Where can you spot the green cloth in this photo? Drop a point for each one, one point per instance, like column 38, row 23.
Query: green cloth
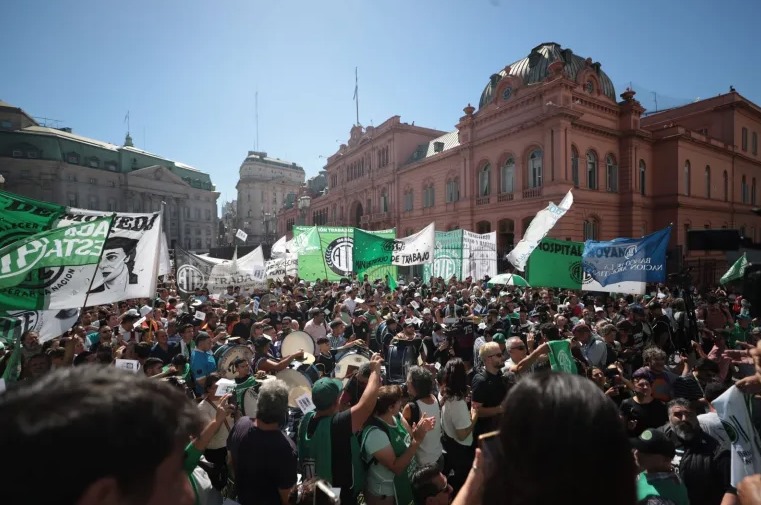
column 561, row 359
column 665, row 485
column 241, row 388
column 316, row 452
column 737, row 334
column 736, row 271
column 400, row 440
column 192, row 457
column 556, row 263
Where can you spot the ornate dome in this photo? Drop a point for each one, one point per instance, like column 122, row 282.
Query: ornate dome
column 535, row 68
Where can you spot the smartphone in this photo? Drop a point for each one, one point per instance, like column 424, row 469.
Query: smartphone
column 323, row 494
column 490, row 447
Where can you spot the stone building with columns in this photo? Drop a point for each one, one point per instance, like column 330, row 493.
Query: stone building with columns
column 265, row 185
column 59, row 166
column 547, row 123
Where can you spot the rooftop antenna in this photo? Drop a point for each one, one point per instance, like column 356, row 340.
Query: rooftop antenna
column 356, row 92
column 256, row 107
column 655, row 98
column 126, row 120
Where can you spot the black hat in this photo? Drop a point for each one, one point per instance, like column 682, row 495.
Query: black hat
column 262, row 341
column 653, row 441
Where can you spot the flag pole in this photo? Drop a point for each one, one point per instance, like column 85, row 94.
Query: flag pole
column 102, row 250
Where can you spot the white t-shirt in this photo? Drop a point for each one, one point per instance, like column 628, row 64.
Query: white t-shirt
column 208, row 413
column 456, row 416
column 430, row 449
column 351, row 305
column 733, row 408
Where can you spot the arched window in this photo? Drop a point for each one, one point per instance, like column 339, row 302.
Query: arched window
column 744, row 190
column 591, row 229
column 575, row 167
column 753, row 191
column 708, row 181
column 687, row 178
column 483, row 180
column 642, row 179
column 591, row 170
column 507, row 176
column 725, row 178
column 453, row 190
column 535, row 169
column 611, row 173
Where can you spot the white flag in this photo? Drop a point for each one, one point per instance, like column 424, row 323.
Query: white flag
column 542, row 223
column 233, row 273
column 241, row 235
column 165, row 263
column 279, row 248
column 415, row 249
column 734, row 410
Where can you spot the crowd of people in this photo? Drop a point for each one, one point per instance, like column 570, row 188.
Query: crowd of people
column 455, row 398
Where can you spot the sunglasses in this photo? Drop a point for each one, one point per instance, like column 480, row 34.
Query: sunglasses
column 521, row 347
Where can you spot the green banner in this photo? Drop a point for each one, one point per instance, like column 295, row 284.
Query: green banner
column 561, row 359
column 335, row 257
column 21, row 217
column 556, row 263
column 71, row 247
column 371, row 251
column 447, row 256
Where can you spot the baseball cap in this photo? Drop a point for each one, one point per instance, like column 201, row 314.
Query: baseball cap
column 499, row 338
column 654, row 442
column 261, row 341
column 325, row 392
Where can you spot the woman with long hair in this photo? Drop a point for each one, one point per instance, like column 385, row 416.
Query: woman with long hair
column 457, row 422
column 560, row 441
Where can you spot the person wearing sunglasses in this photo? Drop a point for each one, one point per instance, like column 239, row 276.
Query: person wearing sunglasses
column 488, row 389
column 430, row 486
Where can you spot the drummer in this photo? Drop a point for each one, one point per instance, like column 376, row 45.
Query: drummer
column 263, row 361
column 326, row 361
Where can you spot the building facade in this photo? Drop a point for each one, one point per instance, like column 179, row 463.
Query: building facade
column 545, row 124
column 56, row 165
column 265, row 185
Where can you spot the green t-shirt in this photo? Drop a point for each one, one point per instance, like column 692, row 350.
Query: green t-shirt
column 664, row 484
column 192, row 457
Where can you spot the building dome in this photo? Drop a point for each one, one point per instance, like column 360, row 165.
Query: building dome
column 535, row 68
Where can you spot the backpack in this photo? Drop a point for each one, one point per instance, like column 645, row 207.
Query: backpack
column 415, row 410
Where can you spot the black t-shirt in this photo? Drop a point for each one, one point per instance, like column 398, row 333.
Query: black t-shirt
column 647, row 415
column 489, row 390
column 258, row 478
column 362, row 331
column 328, row 363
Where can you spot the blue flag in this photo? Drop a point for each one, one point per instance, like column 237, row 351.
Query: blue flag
column 628, row 259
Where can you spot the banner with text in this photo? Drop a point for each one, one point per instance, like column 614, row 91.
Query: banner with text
column 447, row 256
column 48, row 323
column 245, row 274
column 479, row 253
column 327, row 252
column 558, row 264
column 73, row 251
column 542, row 223
column 628, row 259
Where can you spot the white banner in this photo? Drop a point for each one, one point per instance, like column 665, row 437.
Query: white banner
column 479, row 254
column 415, row 249
column 241, row 235
column 234, row 273
column 48, row 323
column 278, row 268
column 130, row 262
column 165, row 263
column 542, row 223
column 279, row 248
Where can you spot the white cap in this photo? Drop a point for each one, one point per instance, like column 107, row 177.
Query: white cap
column 145, row 310
column 426, row 310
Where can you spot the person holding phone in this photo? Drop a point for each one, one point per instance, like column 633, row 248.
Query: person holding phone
column 389, row 445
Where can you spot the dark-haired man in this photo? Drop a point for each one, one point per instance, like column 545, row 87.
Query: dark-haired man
column 55, row 413
column 430, row 486
column 202, row 361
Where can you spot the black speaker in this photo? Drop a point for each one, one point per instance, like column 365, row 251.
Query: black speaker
column 713, row 240
column 752, row 288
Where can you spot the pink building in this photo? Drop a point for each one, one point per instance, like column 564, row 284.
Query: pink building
column 544, row 124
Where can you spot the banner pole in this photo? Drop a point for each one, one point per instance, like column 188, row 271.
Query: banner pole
column 102, row 250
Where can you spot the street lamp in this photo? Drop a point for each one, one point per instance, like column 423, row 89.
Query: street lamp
column 304, row 203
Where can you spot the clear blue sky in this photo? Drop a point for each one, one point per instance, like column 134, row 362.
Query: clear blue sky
column 188, row 70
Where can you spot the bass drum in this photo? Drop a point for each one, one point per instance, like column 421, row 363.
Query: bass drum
column 225, row 361
column 249, row 399
column 298, row 385
column 295, row 341
column 401, row 356
column 351, row 361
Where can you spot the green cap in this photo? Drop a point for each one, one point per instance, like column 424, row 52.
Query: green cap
column 325, row 392
column 499, row 338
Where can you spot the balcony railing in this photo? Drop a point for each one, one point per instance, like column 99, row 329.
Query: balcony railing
column 505, row 197
column 532, row 192
column 380, row 216
column 365, row 219
column 482, row 200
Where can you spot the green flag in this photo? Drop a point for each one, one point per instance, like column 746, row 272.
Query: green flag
column 307, row 240
column 556, row 263
column 561, row 359
column 392, row 282
column 26, row 260
column 21, row 217
column 736, row 271
column 370, row 251
column 447, row 256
